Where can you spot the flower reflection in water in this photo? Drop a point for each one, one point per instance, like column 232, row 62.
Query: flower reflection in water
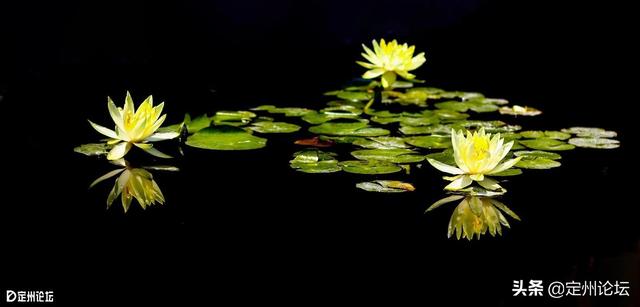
column 475, row 216
column 135, row 183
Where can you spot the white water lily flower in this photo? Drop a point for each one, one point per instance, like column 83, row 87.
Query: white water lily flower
column 476, row 155
column 390, row 59
column 135, row 127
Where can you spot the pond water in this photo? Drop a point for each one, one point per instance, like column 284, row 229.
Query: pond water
column 248, row 222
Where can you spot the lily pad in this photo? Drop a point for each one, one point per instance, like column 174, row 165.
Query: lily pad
column 381, row 142
column 233, row 116
column 508, row 172
column 547, row 144
column 590, row 132
column 321, row 167
column 537, row 163
column 314, row 142
column 289, row 112
column 429, row 142
column 93, row 149
column 274, row 127
column 520, row 110
column 319, row 118
column 386, row 186
column 371, row 167
column 225, row 138
column 445, row 157
column 354, row 96
column 196, row 124
column 538, row 154
column 348, row 129
column 398, row 155
column 535, row 134
column 599, row 143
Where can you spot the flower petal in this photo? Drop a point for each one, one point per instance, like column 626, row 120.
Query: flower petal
column 504, row 166
column 489, row 184
column 445, row 167
column 460, row 183
column 477, row 177
column 104, row 131
column 443, row 201
column 161, row 136
column 105, row 177
column 119, row 151
column 373, row 73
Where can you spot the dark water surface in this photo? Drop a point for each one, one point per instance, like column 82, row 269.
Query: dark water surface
column 242, row 227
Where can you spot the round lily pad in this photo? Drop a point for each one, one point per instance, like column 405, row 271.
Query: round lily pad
column 445, row 157
column 537, row 154
column 354, row 96
column 592, row 132
column 381, row 142
column 386, row 186
column 348, row 129
column 274, row 127
column 371, row 167
column 320, row 167
column 429, row 142
column 599, row 143
column 398, row 155
column 546, row 144
column 537, row 163
column 225, row 138
column 93, row 149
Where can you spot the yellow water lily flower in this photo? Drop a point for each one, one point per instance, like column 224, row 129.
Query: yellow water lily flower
column 389, row 60
column 520, row 110
column 474, row 216
column 476, row 155
column 133, row 183
column 135, row 127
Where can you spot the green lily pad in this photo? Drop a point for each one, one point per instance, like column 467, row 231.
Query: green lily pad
column 547, row 144
column 196, row 124
column 385, row 186
column 371, row 167
column 319, row 118
column 429, row 142
column 538, row 154
column 537, row 163
column 533, row 134
column 508, row 172
column 312, row 155
column 274, row 127
column 381, row 142
column 348, row 129
column 418, row 121
column 93, row 149
column 448, row 115
column 398, row 155
column 445, row 157
column 240, row 117
column 289, row 112
column 225, row 138
column 590, row 132
column 340, row 139
column 599, row 143
column 354, row 96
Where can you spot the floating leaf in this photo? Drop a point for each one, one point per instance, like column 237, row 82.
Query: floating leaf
column 289, row 112
column 429, row 142
column 225, row 138
column 239, row 117
column 315, row 142
column 508, row 172
column 197, row 124
column 340, row 139
column 386, row 186
column 445, row 157
column 274, row 127
column 381, row 142
column 537, row 163
column 371, row 167
column 93, row 149
column 590, row 132
column 538, row 154
column 321, row 167
column 350, row 129
column 319, row 118
column 397, row 155
column 354, row 96
column 600, row 143
column 547, row 144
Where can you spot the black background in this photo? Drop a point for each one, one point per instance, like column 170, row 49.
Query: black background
column 244, row 227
